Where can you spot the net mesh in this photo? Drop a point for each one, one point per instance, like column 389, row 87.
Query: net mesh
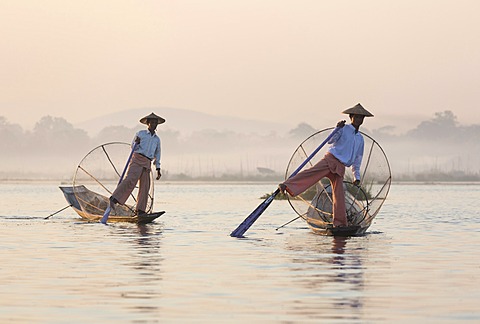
column 362, row 203
column 97, row 176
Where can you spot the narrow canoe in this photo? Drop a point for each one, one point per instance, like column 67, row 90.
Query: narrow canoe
column 94, row 205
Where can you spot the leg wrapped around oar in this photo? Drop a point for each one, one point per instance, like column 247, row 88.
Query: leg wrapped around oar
column 245, row 225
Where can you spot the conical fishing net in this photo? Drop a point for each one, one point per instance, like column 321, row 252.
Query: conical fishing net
column 97, row 176
column 362, row 203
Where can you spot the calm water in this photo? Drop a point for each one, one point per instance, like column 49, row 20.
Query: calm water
column 419, row 261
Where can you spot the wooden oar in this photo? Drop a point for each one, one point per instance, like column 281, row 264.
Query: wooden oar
column 109, row 209
column 57, row 211
column 245, row 225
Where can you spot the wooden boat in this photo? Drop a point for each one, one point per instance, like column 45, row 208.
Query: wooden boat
column 90, row 206
column 322, row 228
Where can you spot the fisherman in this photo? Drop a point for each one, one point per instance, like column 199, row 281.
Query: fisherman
column 346, row 150
column 147, row 150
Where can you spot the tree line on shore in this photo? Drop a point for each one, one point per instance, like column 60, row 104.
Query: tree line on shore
column 436, row 149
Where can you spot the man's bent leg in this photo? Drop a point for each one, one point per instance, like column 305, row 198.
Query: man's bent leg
column 307, row 178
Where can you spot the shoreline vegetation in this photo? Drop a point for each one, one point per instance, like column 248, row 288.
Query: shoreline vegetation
column 425, row 177
column 436, row 150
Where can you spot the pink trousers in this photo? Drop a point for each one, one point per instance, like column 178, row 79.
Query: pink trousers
column 328, row 167
column 138, row 171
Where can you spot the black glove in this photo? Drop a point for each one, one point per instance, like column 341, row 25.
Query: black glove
column 356, row 183
column 341, row 123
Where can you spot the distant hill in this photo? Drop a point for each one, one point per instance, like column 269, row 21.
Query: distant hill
column 183, row 120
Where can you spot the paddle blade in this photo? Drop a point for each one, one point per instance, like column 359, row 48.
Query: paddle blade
column 105, row 215
column 245, row 225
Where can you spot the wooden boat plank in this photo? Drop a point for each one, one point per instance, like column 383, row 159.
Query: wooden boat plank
column 142, row 219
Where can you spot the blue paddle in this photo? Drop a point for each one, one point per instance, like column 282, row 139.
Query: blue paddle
column 109, row 209
column 245, row 225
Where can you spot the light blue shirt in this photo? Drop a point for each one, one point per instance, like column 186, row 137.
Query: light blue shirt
column 347, row 147
column 149, row 146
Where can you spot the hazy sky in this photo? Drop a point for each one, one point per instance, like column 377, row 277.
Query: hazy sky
column 279, row 60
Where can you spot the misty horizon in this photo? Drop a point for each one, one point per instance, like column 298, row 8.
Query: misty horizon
column 54, row 147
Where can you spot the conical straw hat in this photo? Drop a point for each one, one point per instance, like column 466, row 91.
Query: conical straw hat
column 357, row 110
column 152, row 116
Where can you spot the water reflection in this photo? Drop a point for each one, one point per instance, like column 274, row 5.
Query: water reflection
column 332, row 272
column 143, row 261
column 347, row 270
column 148, row 247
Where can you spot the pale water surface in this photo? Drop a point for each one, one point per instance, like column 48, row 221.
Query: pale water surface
column 419, row 262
